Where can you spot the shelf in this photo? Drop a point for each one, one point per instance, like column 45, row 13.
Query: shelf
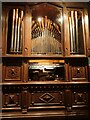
column 46, row 83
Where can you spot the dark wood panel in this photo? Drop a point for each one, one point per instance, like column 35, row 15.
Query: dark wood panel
column 80, row 98
column 27, row 30
column 78, row 71
column 11, row 100
column 12, row 70
column 46, row 99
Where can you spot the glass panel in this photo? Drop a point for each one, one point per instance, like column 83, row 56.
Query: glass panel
column 15, row 31
column 46, row 30
column 76, row 32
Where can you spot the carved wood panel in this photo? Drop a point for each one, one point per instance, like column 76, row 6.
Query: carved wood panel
column 80, row 98
column 12, row 73
column 11, row 100
column 28, row 97
column 78, row 72
column 46, row 98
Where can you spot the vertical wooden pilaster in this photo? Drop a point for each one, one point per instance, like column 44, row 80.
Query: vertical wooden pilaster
column 24, row 100
column 27, row 31
column 25, row 71
column 4, row 30
column 66, row 33
column 88, row 26
column 68, row 99
column 87, row 40
column 89, row 69
column 67, row 71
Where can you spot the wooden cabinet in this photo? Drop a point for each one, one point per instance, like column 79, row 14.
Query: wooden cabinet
column 45, row 60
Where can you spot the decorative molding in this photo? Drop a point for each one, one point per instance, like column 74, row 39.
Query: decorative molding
column 46, row 97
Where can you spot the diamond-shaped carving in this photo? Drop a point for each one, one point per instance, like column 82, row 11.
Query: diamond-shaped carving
column 46, row 97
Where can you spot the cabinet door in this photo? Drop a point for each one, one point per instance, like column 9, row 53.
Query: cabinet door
column 46, row 30
column 77, row 36
column 13, row 29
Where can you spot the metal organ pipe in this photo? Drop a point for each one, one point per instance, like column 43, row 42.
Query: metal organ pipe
column 17, row 31
column 12, row 36
column 48, row 36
